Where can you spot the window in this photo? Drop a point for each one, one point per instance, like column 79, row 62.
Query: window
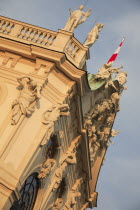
column 28, row 194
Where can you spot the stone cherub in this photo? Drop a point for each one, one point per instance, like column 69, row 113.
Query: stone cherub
column 76, row 18
column 106, row 71
column 93, row 35
column 26, row 101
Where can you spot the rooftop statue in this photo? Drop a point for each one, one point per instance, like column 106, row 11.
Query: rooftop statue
column 106, row 70
column 76, row 18
column 93, row 35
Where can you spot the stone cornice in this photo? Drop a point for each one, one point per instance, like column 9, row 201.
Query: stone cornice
column 61, row 41
column 33, row 52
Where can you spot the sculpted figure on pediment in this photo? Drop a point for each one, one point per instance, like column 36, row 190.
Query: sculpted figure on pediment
column 76, row 18
column 26, row 101
column 93, row 35
column 46, row 168
column 106, row 71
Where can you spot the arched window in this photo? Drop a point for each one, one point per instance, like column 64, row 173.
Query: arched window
column 28, row 194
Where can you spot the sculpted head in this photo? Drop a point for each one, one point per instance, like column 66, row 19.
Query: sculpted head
column 81, row 7
column 99, row 26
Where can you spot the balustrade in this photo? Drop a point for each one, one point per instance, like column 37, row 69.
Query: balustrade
column 36, row 36
column 6, row 26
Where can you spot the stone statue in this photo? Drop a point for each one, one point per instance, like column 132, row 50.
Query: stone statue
column 106, row 71
column 121, row 78
column 46, row 168
column 26, row 101
column 76, row 18
column 93, row 35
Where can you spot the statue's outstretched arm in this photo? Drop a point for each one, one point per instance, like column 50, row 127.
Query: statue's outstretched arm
column 115, row 69
column 85, row 17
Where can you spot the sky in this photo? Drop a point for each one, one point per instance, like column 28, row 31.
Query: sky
column 119, row 180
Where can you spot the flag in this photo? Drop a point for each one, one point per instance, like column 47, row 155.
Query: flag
column 114, row 56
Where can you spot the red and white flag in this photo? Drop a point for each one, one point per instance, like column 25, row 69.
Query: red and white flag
column 114, row 56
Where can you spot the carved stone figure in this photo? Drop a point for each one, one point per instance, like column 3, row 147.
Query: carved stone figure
column 26, row 101
column 46, row 168
column 76, row 18
column 121, row 78
column 52, row 115
column 93, row 35
column 59, row 175
column 106, row 70
column 54, row 112
column 68, row 159
column 101, row 108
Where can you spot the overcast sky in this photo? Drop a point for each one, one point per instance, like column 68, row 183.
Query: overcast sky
column 119, row 180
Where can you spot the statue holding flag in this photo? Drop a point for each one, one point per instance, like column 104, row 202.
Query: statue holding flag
column 76, row 18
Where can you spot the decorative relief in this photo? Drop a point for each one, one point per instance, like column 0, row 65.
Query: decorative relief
column 46, row 168
column 93, row 35
column 76, row 18
column 99, row 123
column 73, row 195
column 26, row 101
column 52, row 115
column 68, row 159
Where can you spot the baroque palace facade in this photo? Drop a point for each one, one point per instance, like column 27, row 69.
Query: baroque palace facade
column 55, row 119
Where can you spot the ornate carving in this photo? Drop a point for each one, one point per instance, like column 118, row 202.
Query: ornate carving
column 46, row 168
column 73, row 195
column 57, row 204
column 68, row 159
column 76, row 18
column 54, row 112
column 59, row 175
column 26, row 101
column 106, row 71
column 52, row 115
column 93, row 35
